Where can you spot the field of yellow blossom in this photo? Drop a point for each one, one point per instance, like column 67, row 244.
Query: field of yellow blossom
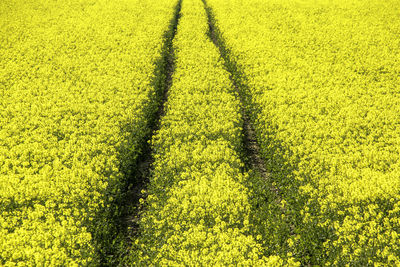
column 200, row 133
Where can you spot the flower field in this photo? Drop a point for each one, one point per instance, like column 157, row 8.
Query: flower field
column 76, row 97
column 273, row 129
column 322, row 83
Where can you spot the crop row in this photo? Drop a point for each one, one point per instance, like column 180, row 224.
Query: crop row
column 198, row 207
column 321, row 81
column 77, row 93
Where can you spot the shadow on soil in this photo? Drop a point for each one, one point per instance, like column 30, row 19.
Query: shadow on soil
column 113, row 241
column 276, row 199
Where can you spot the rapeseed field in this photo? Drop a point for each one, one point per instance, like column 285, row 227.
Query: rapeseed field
column 200, row 133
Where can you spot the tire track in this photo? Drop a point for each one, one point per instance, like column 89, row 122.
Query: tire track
column 166, row 67
column 252, row 150
column 268, row 199
column 129, row 202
